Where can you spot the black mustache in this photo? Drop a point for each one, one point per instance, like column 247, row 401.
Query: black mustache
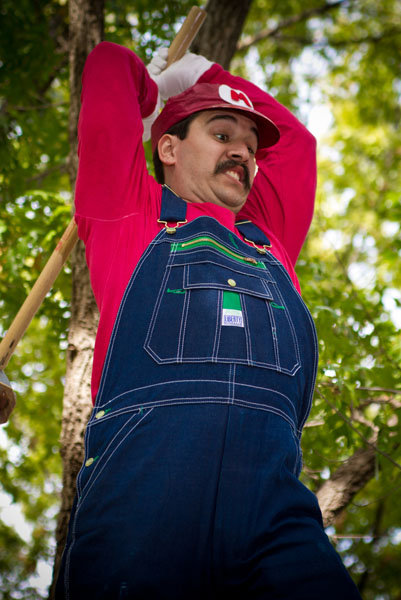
column 227, row 164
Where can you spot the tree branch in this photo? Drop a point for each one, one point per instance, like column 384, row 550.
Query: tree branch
column 396, row 404
column 375, row 536
column 45, row 86
column 61, row 168
column 368, row 39
column 38, row 106
column 379, row 389
column 385, row 399
column 369, row 443
column 337, row 492
column 249, row 41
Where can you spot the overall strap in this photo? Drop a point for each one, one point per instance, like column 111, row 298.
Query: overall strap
column 173, row 210
column 254, row 235
column 173, row 214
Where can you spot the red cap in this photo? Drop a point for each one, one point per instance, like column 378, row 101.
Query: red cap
column 209, row 96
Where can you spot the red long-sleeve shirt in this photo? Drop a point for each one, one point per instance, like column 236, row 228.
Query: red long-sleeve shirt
column 118, row 202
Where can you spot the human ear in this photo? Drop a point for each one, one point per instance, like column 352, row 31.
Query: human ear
column 167, row 149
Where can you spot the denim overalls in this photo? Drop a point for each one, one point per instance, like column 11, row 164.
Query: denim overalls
column 189, row 487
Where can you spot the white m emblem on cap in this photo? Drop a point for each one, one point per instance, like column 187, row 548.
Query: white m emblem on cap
column 235, row 97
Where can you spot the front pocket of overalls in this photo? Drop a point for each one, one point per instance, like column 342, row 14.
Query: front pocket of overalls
column 104, row 439
column 189, row 321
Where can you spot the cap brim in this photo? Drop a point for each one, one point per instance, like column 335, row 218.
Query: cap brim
column 201, row 97
column 268, row 132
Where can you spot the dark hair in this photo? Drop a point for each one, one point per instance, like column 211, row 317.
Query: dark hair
column 180, row 129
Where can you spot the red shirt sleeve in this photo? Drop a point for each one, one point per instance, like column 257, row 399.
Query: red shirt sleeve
column 283, row 193
column 117, row 93
column 114, row 191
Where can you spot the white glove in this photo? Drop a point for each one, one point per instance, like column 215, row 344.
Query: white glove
column 148, row 121
column 154, row 68
column 180, row 75
column 172, row 81
column 158, row 63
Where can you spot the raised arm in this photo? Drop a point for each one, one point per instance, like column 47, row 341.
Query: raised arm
column 283, row 193
column 117, row 93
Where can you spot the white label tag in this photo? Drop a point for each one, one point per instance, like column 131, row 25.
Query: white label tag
column 232, row 317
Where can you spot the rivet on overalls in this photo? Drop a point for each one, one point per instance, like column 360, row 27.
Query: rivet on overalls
column 102, row 413
column 90, row 461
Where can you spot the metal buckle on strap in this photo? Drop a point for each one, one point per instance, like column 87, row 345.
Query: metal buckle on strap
column 174, row 228
column 261, row 250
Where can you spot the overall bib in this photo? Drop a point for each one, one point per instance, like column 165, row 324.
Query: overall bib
column 189, row 487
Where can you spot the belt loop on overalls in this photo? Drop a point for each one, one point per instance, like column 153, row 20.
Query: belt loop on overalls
column 173, row 210
column 254, row 236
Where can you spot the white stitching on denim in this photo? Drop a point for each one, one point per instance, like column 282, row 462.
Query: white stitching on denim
column 173, row 381
column 157, row 304
column 230, row 384
column 97, row 469
column 287, row 313
column 184, row 320
column 217, row 331
column 162, row 383
column 228, row 288
column 247, row 249
column 274, row 336
column 291, row 324
column 301, row 423
column 228, row 398
column 224, row 360
column 247, row 332
column 244, row 270
column 290, row 408
column 237, row 267
column 296, row 441
column 315, row 366
column 233, row 385
column 265, row 408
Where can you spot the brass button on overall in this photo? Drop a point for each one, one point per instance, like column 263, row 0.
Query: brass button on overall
column 100, row 414
column 231, row 282
column 89, row 462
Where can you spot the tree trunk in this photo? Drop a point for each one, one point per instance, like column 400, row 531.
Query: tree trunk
column 218, row 38
column 85, row 31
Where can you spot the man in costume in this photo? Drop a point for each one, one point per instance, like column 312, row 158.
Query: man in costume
column 206, row 355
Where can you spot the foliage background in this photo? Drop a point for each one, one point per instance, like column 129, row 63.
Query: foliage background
column 340, row 61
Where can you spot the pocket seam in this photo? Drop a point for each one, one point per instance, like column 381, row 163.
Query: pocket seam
column 96, row 470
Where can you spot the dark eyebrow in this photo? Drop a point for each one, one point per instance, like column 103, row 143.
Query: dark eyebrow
column 231, row 118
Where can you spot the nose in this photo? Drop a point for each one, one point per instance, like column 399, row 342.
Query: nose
column 238, row 151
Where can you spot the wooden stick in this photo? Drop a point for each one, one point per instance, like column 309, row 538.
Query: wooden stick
column 42, row 286
column 186, row 35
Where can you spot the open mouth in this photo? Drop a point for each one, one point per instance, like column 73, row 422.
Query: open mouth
column 237, row 175
column 238, row 172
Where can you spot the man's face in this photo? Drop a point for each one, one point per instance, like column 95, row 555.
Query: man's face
column 216, row 161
